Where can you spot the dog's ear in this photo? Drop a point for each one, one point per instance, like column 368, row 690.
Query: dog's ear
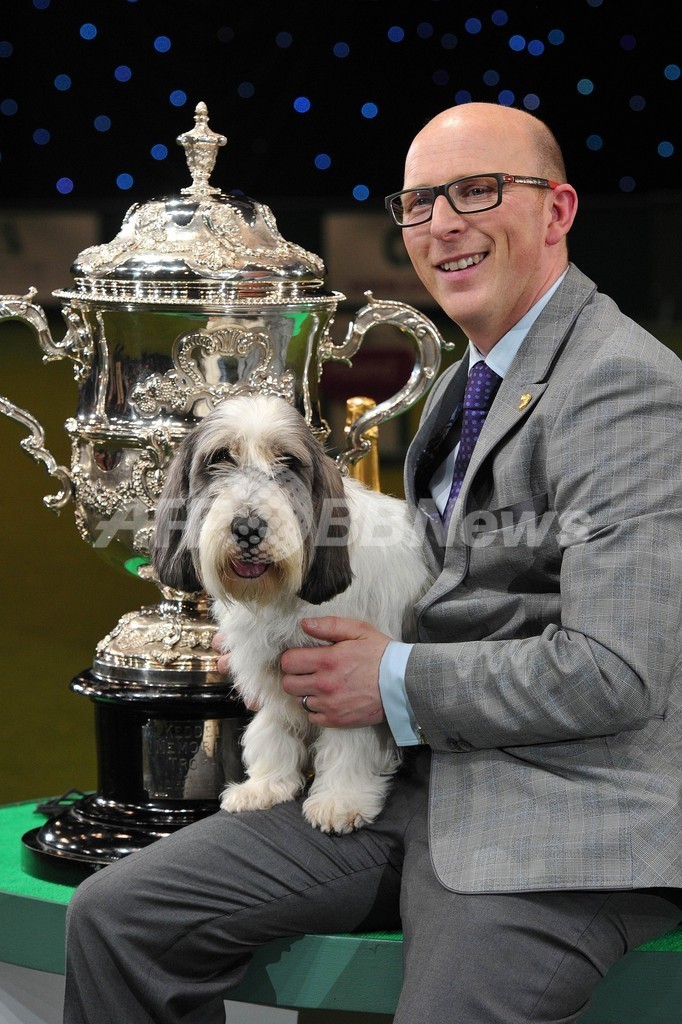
column 329, row 571
column 171, row 556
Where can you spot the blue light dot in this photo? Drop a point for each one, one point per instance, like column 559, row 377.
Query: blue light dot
column 491, row 77
column 637, row 103
column 246, row 90
column 556, row 37
column 627, row 184
column 6, row 48
column 499, row 18
column 102, row 123
column 369, row 110
column 594, row 3
column 123, row 73
column 9, row 107
column 159, row 151
column 162, row 44
column 448, row 41
column 506, row 97
column 585, row 86
column 396, row 34
column 462, row 96
column 672, row 72
column 284, row 40
column 178, row 98
column 41, row 136
column 531, row 101
column 41, row 5
column 517, row 43
column 628, row 42
column 64, row 186
column 440, row 77
column 361, row 192
column 341, row 50
column 594, row 142
column 302, row 104
column 425, row 30
column 473, row 26
column 323, row 161
column 124, row 182
column 88, row 30
column 665, row 149
column 62, row 83
column 536, row 47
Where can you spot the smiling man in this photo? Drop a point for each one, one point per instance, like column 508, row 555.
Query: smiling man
column 533, row 834
column 515, row 247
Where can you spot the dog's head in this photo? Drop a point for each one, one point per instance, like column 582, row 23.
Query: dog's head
column 253, row 508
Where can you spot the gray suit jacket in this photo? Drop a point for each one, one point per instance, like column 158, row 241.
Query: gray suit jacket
column 548, row 676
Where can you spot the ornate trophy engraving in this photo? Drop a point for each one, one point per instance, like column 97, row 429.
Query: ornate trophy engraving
column 196, row 299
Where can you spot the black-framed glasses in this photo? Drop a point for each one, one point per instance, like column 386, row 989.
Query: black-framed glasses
column 473, row 194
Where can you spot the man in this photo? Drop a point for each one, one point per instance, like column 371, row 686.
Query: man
column 533, row 835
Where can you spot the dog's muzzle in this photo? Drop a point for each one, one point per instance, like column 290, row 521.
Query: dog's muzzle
column 249, row 532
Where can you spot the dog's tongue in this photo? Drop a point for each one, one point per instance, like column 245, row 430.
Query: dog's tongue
column 249, row 570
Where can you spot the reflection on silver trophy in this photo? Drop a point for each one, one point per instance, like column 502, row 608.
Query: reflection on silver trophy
column 197, row 299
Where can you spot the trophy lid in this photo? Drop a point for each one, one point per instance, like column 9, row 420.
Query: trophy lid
column 203, row 246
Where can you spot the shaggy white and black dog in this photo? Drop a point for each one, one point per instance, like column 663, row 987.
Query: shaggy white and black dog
column 257, row 515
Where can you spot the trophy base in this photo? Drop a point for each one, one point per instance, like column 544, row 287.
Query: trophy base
column 94, row 832
column 164, row 757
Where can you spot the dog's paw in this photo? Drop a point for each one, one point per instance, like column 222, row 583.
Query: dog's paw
column 257, row 795
column 337, row 816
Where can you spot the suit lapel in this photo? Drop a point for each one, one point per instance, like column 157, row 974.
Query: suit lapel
column 522, row 387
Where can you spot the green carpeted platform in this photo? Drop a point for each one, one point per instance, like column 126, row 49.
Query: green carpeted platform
column 360, row 973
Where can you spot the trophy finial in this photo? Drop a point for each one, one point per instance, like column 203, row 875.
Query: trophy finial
column 201, row 149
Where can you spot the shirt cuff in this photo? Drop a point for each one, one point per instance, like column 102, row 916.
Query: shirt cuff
column 399, row 714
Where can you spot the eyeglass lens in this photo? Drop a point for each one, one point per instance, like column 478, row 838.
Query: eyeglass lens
column 466, row 195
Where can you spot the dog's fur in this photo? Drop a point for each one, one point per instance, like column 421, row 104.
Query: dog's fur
column 313, row 543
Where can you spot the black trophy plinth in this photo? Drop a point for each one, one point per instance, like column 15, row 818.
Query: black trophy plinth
column 164, row 755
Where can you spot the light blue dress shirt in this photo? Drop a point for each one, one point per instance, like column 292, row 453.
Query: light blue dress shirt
column 397, row 709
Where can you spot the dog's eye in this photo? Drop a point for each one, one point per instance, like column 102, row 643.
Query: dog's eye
column 220, row 457
column 290, row 462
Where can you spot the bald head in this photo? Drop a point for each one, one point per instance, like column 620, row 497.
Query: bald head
column 486, row 268
column 493, row 127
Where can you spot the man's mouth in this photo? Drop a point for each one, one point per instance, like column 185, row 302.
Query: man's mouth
column 464, row 262
column 249, row 570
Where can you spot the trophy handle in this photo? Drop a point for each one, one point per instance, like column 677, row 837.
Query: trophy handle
column 428, row 343
column 17, row 307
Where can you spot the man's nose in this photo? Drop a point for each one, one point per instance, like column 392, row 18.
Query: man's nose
column 444, row 219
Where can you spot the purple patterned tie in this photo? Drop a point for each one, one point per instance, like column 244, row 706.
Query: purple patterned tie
column 481, row 388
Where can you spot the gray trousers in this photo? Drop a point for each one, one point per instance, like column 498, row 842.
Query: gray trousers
column 165, row 933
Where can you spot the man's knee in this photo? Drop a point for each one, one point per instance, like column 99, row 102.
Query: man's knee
column 95, row 904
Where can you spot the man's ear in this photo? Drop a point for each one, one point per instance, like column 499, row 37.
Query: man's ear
column 563, row 210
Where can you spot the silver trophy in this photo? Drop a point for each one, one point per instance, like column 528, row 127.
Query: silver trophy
column 197, row 298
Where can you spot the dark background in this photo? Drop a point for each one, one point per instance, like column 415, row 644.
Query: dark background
column 593, row 69
column 250, row 62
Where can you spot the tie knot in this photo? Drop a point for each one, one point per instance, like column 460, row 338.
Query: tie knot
column 481, row 386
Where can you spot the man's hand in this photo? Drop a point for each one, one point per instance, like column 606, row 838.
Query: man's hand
column 341, row 679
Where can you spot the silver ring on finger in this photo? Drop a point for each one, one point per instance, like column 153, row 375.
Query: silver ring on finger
column 304, row 704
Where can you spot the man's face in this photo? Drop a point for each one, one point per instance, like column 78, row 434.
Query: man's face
column 507, row 261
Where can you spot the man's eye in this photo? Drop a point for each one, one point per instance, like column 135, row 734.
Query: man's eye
column 220, row 457
column 418, row 199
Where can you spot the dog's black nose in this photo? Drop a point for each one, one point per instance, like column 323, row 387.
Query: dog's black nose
column 249, row 530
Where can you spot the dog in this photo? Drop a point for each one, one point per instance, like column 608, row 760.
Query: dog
column 256, row 514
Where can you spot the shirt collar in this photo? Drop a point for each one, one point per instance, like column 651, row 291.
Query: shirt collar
column 502, row 353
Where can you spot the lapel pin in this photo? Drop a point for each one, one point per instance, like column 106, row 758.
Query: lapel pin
column 525, row 399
